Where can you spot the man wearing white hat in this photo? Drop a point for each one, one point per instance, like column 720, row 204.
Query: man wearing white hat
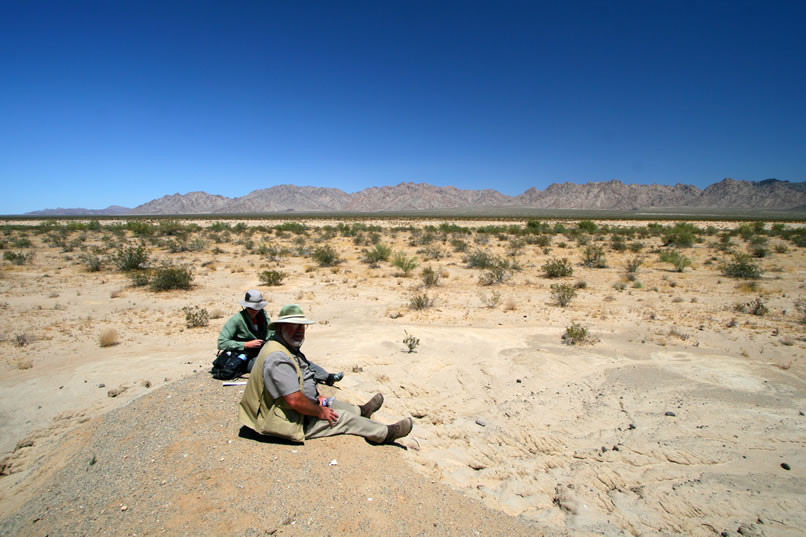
column 283, row 401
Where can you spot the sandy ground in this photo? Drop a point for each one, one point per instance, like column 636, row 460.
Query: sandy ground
column 682, row 417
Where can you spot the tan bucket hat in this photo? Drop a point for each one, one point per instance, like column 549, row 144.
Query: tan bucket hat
column 290, row 314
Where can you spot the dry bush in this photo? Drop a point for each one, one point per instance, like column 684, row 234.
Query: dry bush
column 115, row 293
column 25, row 362
column 108, row 338
column 216, row 314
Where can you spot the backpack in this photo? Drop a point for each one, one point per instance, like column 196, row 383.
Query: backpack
column 228, row 365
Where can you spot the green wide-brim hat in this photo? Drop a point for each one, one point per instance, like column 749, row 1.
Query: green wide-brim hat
column 290, row 314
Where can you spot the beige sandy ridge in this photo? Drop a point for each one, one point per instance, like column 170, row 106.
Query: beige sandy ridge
column 568, row 439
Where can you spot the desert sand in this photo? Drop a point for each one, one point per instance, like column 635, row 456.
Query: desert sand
column 680, row 415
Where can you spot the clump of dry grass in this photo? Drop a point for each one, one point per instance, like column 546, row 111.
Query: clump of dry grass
column 26, row 362
column 109, row 337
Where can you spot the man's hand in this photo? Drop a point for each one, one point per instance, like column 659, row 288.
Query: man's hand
column 311, row 407
column 327, row 413
column 254, row 344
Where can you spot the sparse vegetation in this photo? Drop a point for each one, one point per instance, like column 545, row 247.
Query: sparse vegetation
column 18, row 258
column 196, row 317
column 754, row 307
column 576, row 334
column 131, row 257
column 593, row 257
column 380, row 252
column 271, row 278
column 404, row 262
column 557, row 268
column 430, row 277
column 420, row 301
column 170, row 277
column 410, row 342
column 493, row 300
column 326, row 256
column 108, row 337
column 678, row 260
column 563, row 293
column 742, row 267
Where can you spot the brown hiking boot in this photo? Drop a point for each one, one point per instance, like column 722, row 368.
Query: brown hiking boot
column 398, row 430
column 371, row 406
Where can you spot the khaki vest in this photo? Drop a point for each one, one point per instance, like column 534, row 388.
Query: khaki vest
column 263, row 414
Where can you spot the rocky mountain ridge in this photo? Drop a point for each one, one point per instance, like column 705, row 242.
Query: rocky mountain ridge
column 769, row 194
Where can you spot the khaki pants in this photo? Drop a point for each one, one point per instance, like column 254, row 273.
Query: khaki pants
column 350, row 422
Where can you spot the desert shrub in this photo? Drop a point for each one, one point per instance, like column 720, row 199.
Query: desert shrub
column 480, row 259
column 433, row 251
column 108, row 338
column 93, row 262
column 430, row 277
column 587, row 226
column 593, row 257
column 742, row 267
column 576, row 334
column 404, row 262
column 678, row 260
column 269, row 251
column 21, row 340
column 620, row 286
column 459, row 245
column 493, row 300
column 496, row 274
column 271, row 277
column 515, row 247
column 131, row 257
column 635, row 247
column 326, row 256
column 140, row 278
column 293, row 227
column 381, row 252
column 196, row 317
column 563, row 293
column 681, row 235
column 168, row 277
column 557, row 268
column 754, row 307
column 410, row 341
column 618, row 244
column 780, row 248
column 420, row 301
column 18, row 258
column 631, row 267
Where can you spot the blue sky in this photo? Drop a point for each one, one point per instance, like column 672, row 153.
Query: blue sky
column 121, row 102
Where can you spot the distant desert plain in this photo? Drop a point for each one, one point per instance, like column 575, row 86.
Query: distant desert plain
column 566, row 377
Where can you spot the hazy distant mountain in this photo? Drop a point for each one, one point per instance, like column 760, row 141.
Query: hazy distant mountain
column 613, row 195
column 287, row 198
column 190, row 203
column 109, row 211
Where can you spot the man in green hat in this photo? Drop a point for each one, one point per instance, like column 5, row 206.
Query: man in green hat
column 283, row 401
column 245, row 333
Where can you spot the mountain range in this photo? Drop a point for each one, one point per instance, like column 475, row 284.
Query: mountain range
column 770, row 194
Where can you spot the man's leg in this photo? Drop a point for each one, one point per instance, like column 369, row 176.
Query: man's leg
column 350, row 422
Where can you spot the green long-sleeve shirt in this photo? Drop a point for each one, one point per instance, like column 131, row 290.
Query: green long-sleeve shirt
column 239, row 329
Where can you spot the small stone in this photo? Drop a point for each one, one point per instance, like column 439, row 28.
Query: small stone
column 518, row 381
column 147, row 384
column 102, row 385
column 785, row 466
column 60, row 387
column 631, row 427
column 481, row 422
column 669, row 413
column 801, row 413
column 124, row 507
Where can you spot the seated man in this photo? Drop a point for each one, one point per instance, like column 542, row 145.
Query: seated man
column 246, row 331
column 284, row 401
